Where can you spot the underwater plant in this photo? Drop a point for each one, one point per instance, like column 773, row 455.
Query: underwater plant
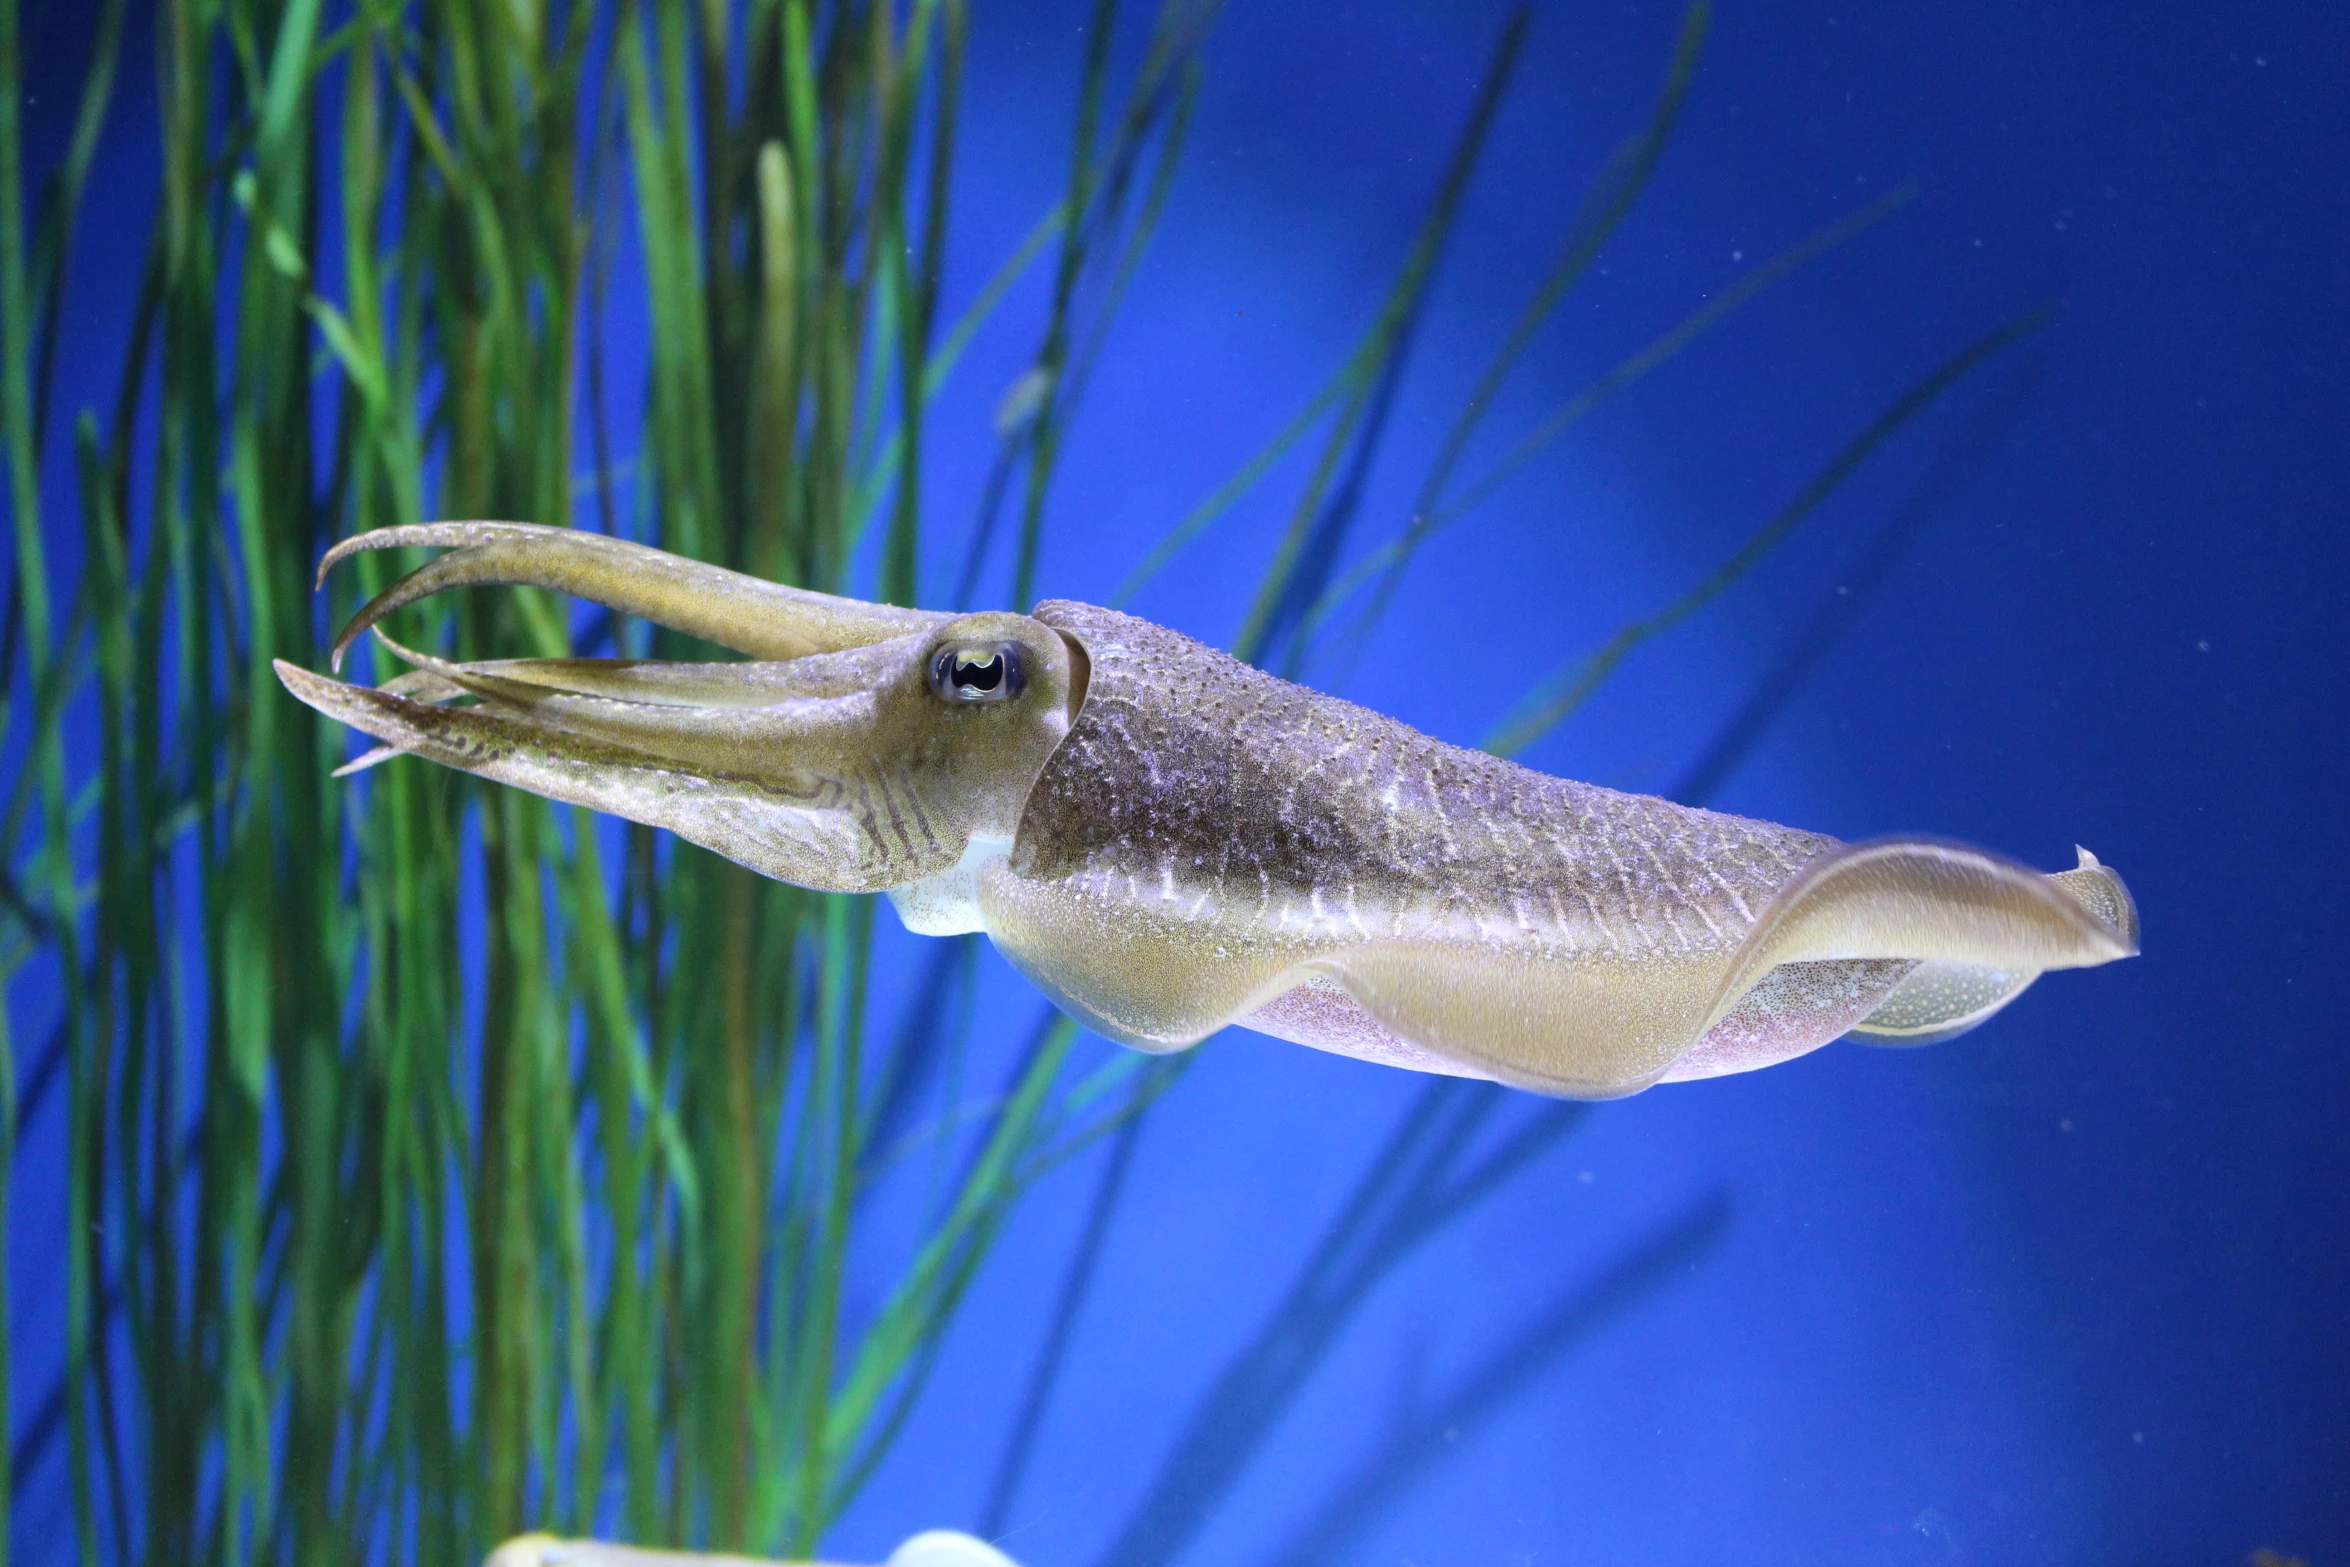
column 438, row 1163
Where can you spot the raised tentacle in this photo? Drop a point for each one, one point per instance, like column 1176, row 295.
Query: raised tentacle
column 763, row 619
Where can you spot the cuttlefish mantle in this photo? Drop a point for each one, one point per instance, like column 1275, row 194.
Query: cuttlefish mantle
column 1167, row 841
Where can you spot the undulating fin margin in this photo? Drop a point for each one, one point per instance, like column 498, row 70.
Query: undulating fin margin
column 1980, row 927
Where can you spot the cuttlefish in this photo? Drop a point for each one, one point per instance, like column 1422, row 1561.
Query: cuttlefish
column 1167, row 840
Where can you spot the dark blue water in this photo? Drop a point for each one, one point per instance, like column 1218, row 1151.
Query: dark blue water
column 2071, row 1289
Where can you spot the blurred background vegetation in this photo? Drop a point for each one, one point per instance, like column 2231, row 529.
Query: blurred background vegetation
column 441, row 1162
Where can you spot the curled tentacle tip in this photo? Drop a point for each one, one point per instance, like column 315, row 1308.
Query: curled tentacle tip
column 372, row 539
column 372, row 613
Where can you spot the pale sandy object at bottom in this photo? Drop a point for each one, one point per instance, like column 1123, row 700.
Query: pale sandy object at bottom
column 931, row 1548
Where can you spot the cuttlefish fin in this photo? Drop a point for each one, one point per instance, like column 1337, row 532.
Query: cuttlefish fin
column 1938, row 1001
column 1593, row 1026
column 2097, row 885
column 1941, row 999
column 1598, row 1025
column 1936, row 903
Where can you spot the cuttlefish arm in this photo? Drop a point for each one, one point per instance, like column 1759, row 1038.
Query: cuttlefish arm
column 1168, row 841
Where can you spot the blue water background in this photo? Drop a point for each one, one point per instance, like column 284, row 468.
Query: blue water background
column 2069, row 1290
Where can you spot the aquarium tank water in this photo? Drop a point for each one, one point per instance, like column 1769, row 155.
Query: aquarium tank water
column 1918, row 422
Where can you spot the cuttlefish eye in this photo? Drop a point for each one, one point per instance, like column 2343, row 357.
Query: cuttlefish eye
column 977, row 671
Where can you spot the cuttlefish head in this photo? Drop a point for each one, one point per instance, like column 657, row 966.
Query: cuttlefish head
column 863, row 747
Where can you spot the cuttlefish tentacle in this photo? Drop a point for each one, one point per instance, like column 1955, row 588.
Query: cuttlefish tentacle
column 763, row 619
column 1168, row 841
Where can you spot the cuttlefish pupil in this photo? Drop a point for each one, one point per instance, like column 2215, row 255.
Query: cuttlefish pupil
column 978, row 674
column 1168, row 841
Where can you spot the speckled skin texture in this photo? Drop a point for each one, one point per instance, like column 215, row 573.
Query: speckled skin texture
column 1255, row 831
column 1191, row 769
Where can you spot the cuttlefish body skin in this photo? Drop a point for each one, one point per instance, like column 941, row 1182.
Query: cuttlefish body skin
column 1167, row 840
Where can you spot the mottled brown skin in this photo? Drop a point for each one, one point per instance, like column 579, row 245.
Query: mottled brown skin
column 1188, row 764
column 1169, row 841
